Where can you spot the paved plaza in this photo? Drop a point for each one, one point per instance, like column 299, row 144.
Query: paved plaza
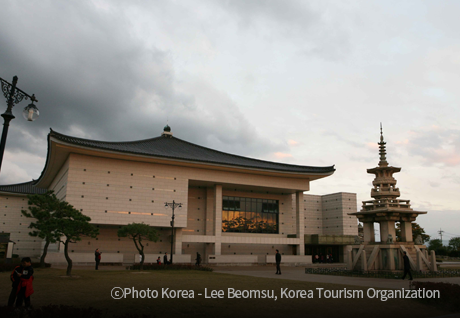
column 298, row 274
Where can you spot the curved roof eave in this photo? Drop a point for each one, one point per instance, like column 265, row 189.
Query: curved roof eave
column 157, row 148
column 21, row 188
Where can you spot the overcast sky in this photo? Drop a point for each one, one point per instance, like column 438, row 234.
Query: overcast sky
column 301, row 82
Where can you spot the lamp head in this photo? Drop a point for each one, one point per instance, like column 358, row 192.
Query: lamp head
column 30, row 112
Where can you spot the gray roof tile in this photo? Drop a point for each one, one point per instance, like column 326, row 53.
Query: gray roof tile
column 175, row 148
column 23, row 188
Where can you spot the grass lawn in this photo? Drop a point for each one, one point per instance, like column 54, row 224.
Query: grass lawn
column 92, row 289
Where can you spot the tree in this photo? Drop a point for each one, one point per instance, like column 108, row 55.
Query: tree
column 454, row 243
column 138, row 232
column 71, row 225
column 42, row 207
column 435, row 245
column 416, row 231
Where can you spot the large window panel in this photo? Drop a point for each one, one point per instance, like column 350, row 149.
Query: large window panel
column 249, row 215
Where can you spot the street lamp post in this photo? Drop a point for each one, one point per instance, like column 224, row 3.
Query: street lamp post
column 172, row 205
column 14, row 96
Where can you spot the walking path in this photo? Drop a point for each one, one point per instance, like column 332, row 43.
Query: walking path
column 298, row 274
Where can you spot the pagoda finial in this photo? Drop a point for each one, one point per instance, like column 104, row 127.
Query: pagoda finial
column 383, row 159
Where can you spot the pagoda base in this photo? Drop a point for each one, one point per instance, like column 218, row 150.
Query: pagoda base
column 389, row 256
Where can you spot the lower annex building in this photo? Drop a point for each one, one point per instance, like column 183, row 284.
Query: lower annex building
column 234, row 209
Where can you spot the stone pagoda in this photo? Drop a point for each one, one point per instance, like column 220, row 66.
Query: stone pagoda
column 386, row 209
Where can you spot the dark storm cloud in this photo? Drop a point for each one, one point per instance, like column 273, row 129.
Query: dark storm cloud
column 94, row 79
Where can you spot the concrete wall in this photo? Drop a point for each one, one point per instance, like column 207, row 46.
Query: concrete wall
column 59, row 184
column 112, row 191
column 12, row 221
column 335, row 218
column 59, row 258
column 232, row 259
column 117, row 192
column 109, row 242
column 290, row 259
column 177, row 259
column 313, row 214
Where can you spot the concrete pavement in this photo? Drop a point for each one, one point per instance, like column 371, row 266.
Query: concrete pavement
column 298, row 274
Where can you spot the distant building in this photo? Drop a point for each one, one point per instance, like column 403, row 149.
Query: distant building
column 234, row 209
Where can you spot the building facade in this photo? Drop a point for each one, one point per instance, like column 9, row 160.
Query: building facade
column 234, row 209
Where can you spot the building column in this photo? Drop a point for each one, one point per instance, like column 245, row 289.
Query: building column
column 218, row 219
column 368, row 231
column 364, row 261
column 391, row 259
column 386, row 228
column 434, row 267
column 209, row 229
column 178, row 241
column 349, row 260
column 406, row 231
column 9, row 250
column 300, row 228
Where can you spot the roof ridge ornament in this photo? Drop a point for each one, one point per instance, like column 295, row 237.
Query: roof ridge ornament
column 382, row 151
column 167, row 131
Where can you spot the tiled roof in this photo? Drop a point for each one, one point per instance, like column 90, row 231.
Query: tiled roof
column 24, row 188
column 175, row 148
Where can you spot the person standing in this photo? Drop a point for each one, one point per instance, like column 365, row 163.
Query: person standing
column 278, row 262
column 25, row 288
column 406, row 267
column 97, row 256
column 15, row 279
column 198, row 259
column 165, row 258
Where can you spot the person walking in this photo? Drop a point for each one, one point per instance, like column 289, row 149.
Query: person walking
column 406, row 267
column 278, row 262
column 97, row 257
column 198, row 259
column 165, row 259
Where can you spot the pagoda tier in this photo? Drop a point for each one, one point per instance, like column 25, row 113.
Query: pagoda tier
column 386, row 209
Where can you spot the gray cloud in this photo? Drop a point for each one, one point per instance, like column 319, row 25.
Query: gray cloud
column 291, row 21
column 95, row 80
column 436, row 145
